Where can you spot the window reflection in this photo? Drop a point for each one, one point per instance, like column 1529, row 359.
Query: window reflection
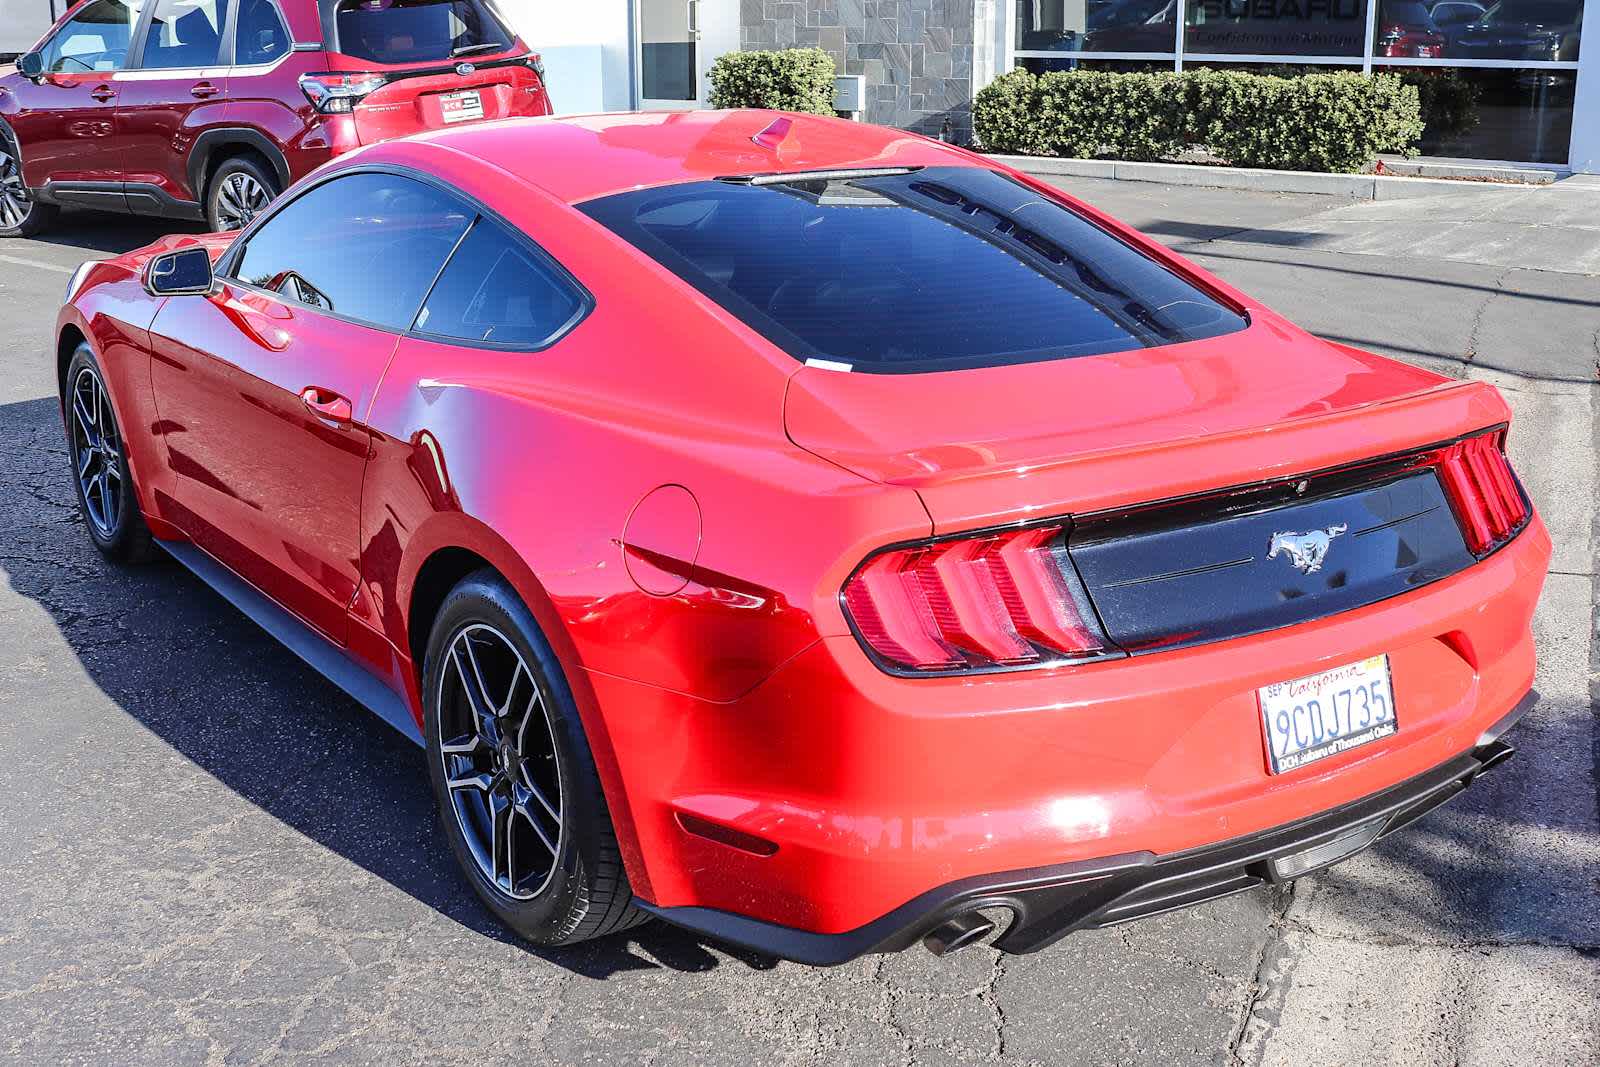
column 1277, row 27
column 1097, row 26
column 1523, row 115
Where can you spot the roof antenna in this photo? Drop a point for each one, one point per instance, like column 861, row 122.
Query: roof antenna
column 773, row 136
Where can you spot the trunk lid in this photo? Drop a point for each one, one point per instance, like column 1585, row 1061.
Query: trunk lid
column 996, row 445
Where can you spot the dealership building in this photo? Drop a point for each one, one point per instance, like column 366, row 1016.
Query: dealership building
column 1501, row 80
column 1504, row 80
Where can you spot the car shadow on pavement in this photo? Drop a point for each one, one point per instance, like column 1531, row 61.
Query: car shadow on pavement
column 98, row 231
column 187, row 666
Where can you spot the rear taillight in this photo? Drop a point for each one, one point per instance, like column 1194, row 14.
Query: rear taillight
column 338, row 94
column 997, row 600
column 1488, row 503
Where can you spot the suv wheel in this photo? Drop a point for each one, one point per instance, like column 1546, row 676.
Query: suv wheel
column 20, row 214
column 512, row 773
column 240, row 190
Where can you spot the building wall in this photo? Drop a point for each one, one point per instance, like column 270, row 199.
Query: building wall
column 916, row 54
column 587, row 50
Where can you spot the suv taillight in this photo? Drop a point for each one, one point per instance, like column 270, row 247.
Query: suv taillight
column 1488, row 503
column 975, row 603
column 338, row 94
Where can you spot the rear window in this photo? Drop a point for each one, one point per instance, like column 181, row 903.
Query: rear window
column 417, row 31
column 933, row 269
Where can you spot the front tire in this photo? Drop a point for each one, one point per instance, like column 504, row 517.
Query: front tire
column 240, row 190
column 20, row 214
column 519, row 798
column 106, row 497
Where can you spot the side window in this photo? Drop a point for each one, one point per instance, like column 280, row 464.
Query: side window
column 260, row 36
column 96, row 39
column 365, row 246
column 185, row 33
column 497, row 290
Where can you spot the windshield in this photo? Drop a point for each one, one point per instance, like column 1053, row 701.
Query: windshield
column 418, row 31
column 933, row 269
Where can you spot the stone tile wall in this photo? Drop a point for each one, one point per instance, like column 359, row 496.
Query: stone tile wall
column 916, row 54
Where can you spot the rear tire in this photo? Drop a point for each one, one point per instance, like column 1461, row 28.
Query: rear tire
column 240, row 190
column 519, row 798
column 99, row 455
column 20, row 214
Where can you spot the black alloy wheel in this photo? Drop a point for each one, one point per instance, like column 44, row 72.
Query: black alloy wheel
column 499, row 761
column 519, row 796
column 101, row 474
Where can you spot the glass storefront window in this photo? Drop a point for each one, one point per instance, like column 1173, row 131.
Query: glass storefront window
column 1276, row 27
column 1097, row 26
column 1522, row 115
column 1116, row 66
column 1543, row 30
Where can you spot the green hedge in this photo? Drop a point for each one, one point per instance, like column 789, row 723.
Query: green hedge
column 795, row 79
column 1324, row 122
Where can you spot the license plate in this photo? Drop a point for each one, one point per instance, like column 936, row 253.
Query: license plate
column 1308, row 719
column 462, row 106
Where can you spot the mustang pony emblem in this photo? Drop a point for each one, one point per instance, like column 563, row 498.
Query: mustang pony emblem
column 1306, row 550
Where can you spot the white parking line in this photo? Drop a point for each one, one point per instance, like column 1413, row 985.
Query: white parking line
column 39, row 263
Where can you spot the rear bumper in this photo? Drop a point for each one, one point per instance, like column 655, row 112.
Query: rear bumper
column 1047, row 903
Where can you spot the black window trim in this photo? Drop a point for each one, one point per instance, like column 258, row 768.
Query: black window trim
column 479, row 211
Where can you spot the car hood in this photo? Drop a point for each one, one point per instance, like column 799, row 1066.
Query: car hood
column 1083, row 434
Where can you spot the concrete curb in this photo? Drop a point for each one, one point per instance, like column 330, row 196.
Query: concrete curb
column 1354, row 186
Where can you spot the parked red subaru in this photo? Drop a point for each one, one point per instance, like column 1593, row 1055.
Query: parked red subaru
column 208, row 109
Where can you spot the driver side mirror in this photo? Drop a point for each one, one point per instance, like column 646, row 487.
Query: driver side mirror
column 31, row 65
column 186, row 272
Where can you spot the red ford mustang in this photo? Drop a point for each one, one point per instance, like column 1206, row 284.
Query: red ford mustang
column 812, row 535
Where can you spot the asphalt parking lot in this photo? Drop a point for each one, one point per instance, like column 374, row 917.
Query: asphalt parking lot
column 212, row 856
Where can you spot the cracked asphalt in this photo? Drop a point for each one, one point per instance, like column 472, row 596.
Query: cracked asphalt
column 211, row 856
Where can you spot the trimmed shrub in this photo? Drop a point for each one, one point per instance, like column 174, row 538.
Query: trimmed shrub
column 795, row 79
column 1323, row 122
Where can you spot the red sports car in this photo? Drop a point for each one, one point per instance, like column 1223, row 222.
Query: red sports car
column 813, row 535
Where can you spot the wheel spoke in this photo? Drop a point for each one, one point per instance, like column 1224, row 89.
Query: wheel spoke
column 532, row 820
column 544, row 802
column 462, row 746
column 86, row 458
column 108, row 503
column 85, row 418
column 500, row 838
column 481, row 782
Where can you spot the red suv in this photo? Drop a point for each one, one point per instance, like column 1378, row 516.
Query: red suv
column 207, row 109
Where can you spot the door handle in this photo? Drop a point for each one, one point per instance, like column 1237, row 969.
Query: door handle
column 103, row 93
column 204, row 90
column 327, row 405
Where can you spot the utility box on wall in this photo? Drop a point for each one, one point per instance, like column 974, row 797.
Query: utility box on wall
column 850, row 94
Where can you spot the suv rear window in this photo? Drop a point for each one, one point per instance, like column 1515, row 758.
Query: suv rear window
column 417, row 31
column 933, row 269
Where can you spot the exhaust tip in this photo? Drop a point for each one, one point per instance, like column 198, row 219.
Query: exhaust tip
column 959, row 932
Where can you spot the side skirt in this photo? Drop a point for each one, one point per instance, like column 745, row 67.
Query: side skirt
column 299, row 638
